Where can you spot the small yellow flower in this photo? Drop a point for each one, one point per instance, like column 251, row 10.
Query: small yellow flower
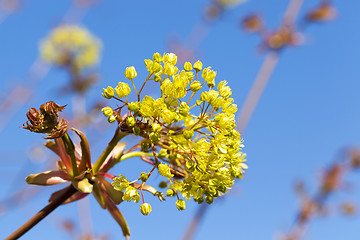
column 145, row 209
column 130, row 72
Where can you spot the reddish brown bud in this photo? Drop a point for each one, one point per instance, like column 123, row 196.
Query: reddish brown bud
column 324, row 12
column 46, row 120
column 252, row 23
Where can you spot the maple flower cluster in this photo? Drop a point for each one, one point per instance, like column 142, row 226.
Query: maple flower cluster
column 188, row 133
column 71, row 43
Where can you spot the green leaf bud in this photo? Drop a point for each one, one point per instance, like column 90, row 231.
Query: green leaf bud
column 195, row 86
column 157, row 57
column 198, row 66
column 145, row 209
column 187, row 66
column 170, row 192
column 130, row 72
column 156, row 127
column 130, row 121
column 164, row 170
column 107, row 111
column 108, row 92
column 163, row 184
column 188, row 134
column 144, row 176
column 154, row 137
column 180, row 204
column 111, row 119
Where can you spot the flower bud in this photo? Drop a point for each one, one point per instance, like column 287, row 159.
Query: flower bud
column 122, row 89
column 107, row 111
column 199, row 200
column 154, row 137
column 184, row 109
column 134, row 106
column 190, row 165
column 144, row 176
column 111, row 119
column 108, row 92
column 209, row 200
column 170, row 69
column 170, row 58
column 136, row 131
column 145, row 209
column 188, row 134
column 180, row 204
column 130, row 72
column 163, row 184
column 187, row 66
column 156, row 127
column 156, row 67
column 144, row 146
column 157, row 78
column 195, row 86
column 170, row 192
column 164, row 170
column 198, row 66
column 157, row 57
column 148, row 64
column 130, row 121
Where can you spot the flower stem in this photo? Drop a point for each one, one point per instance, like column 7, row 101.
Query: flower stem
column 117, row 137
column 42, row 213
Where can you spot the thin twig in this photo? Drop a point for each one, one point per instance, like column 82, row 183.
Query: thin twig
column 42, row 213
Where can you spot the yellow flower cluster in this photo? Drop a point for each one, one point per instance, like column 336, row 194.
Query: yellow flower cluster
column 193, row 141
column 71, row 45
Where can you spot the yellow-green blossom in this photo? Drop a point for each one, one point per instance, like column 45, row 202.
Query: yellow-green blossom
column 164, row 170
column 71, row 44
column 190, row 137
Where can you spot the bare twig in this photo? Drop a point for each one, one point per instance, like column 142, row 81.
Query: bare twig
column 42, row 213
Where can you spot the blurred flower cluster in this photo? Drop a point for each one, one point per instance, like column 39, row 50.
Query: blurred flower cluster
column 71, row 43
column 194, row 143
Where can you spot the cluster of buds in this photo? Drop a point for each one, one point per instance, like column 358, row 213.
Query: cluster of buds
column 198, row 152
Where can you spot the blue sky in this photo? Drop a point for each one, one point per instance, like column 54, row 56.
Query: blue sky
column 308, row 112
